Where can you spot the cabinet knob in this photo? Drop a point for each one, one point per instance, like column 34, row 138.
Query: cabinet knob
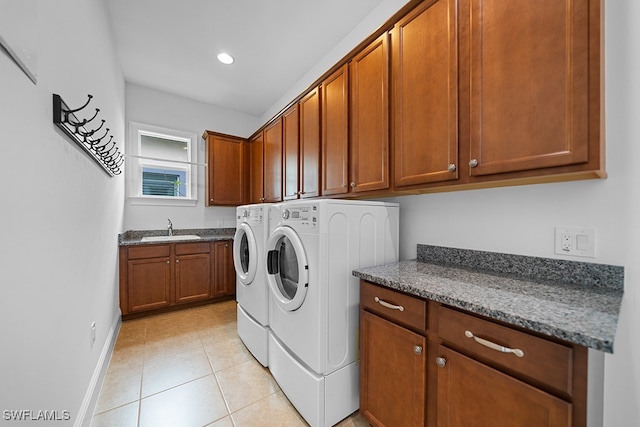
column 353, row 184
column 168, row 262
column 451, row 167
column 441, row 362
column 473, row 163
column 177, row 261
column 417, row 349
column 344, row 185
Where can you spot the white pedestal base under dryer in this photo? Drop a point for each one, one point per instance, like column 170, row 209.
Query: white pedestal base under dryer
column 252, row 291
column 321, row 400
column 313, row 314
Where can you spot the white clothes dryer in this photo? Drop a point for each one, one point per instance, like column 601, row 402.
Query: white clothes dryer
column 252, row 293
column 314, row 298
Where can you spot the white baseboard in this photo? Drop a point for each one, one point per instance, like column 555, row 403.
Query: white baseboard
column 93, row 392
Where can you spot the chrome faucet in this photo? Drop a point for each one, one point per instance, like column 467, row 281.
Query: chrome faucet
column 170, row 227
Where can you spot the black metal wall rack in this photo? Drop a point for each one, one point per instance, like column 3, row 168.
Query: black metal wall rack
column 94, row 142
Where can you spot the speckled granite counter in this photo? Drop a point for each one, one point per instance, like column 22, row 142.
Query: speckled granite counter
column 574, row 301
column 134, row 237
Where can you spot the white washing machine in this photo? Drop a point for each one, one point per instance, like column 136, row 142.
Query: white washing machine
column 314, row 301
column 252, row 292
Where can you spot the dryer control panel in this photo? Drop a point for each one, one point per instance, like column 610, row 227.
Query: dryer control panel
column 301, row 215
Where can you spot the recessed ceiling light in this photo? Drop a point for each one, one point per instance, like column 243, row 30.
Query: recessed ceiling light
column 225, row 58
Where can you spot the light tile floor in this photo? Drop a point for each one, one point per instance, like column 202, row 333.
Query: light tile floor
column 189, row 368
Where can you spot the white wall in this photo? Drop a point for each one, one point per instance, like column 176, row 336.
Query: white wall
column 369, row 25
column 60, row 215
column 152, row 107
column 521, row 220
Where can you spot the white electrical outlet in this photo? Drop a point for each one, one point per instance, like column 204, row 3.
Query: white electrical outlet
column 92, row 334
column 575, row 241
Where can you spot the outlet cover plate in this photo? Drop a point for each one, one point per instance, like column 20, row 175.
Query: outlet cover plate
column 575, row 241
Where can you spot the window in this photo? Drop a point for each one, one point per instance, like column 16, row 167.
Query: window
column 162, row 166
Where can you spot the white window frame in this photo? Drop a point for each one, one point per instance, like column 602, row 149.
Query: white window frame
column 135, row 162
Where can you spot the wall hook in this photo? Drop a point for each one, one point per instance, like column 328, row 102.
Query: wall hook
column 106, row 154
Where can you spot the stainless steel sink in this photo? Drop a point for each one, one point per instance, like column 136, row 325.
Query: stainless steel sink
column 170, row 238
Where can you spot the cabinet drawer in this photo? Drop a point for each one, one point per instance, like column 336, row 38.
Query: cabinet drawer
column 150, row 251
column 393, row 305
column 193, row 248
column 544, row 361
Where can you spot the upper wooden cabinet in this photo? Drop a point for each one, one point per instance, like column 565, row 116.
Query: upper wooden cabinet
column 273, row 162
column 291, row 153
column 469, row 94
column 529, row 78
column 256, row 169
column 335, row 133
column 309, row 107
column 425, row 94
column 369, row 117
column 225, row 177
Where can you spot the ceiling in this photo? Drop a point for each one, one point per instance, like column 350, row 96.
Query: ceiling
column 172, row 45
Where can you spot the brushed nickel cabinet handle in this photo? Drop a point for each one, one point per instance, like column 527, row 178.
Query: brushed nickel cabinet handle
column 451, row 167
column 417, row 349
column 473, row 163
column 441, row 362
column 386, row 304
column 493, row 345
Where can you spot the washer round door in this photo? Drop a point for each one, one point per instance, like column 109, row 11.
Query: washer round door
column 287, row 268
column 245, row 254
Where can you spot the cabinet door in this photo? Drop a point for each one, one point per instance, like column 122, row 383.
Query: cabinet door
column 310, row 144
column 256, row 169
column 290, row 146
column 471, row 393
column 225, row 177
column 148, row 283
column 425, row 100
column 529, row 84
column 392, row 373
column 369, row 109
column 193, row 277
column 225, row 279
column 273, row 162
column 335, row 133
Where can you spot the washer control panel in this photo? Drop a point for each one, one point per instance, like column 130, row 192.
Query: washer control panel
column 253, row 215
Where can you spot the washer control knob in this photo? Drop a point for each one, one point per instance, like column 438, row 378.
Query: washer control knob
column 286, row 214
column 245, row 213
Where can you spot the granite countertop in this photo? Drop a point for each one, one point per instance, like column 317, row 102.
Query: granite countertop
column 573, row 301
column 134, row 237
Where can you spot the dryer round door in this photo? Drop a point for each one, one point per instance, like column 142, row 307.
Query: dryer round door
column 245, row 254
column 287, row 268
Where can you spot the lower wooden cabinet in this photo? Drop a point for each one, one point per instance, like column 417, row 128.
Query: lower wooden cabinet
column 192, row 272
column 425, row 364
column 162, row 277
column 392, row 369
column 225, row 275
column 472, row 393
